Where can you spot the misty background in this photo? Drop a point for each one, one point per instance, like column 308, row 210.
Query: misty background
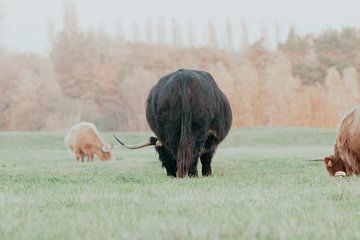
column 25, row 23
column 281, row 63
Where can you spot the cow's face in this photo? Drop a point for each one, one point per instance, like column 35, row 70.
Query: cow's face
column 105, row 152
column 334, row 165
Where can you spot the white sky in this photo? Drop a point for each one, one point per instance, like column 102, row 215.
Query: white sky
column 24, row 23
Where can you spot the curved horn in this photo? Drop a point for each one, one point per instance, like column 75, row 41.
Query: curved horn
column 149, row 143
column 315, row 159
column 106, row 148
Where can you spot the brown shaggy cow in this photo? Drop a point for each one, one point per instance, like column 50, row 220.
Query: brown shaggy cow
column 347, row 147
column 84, row 140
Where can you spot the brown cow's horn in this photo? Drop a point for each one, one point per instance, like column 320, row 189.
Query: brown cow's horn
column 315, row 159
column 106, row 148
column 149, row 143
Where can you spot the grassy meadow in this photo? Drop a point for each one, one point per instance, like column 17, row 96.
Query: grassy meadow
column 261, row 188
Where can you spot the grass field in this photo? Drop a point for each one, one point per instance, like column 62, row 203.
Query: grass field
column 261, row 188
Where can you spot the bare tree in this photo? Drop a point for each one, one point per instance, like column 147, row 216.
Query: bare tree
column 70, row 18
column 51, row 32
column 2, row 15
column 176, row 34
column 161, row 31
column 229, row 42
column 149, row 31
column 120, row 36
column 136, row 33
column 212, row 40
column 266, row 42
column 191, row 36
column 277, row 34
column 244, row 35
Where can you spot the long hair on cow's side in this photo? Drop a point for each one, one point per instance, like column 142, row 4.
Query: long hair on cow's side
column 348, row 139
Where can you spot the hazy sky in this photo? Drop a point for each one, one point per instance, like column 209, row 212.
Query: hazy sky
column 24, row 23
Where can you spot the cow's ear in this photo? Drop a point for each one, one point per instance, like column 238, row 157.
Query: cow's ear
column 330, row 164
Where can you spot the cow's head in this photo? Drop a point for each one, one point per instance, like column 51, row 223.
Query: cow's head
column 105, row 152
column 334, row 165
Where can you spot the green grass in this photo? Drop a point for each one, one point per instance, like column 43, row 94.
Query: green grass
column 261, row 188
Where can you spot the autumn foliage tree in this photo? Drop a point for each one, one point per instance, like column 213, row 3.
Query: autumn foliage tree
column 307, row 80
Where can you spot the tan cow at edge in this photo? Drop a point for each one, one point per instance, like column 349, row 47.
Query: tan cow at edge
column 84, row 140
column 347, row 147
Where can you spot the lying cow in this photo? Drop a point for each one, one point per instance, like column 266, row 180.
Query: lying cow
column 84, row 140
column 346, row 156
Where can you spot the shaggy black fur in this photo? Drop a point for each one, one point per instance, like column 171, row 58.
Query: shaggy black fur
column 190, row 116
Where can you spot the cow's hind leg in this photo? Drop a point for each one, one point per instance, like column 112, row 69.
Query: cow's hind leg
column 193, row 172
column 206, row 163
column 168, row 161
column 206, row 157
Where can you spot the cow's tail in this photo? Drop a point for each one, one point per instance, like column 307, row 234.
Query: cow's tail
column 185, row 152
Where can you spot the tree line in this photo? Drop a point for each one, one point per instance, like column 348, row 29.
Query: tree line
column 307, row 80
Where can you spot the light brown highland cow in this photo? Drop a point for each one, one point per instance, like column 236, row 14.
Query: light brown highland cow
column 84, row 140
column 347, row 147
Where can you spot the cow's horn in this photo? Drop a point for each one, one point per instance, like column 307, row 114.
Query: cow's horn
column 315, row 159
column 149, row 143
column 106, row 148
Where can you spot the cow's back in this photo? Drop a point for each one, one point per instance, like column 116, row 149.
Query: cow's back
column 348, row 132
column 83, row 134
column 187, row 94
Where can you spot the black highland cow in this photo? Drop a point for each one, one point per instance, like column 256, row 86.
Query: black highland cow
column 190, row 116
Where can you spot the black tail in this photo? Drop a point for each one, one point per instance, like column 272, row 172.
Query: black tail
column 185, row 152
